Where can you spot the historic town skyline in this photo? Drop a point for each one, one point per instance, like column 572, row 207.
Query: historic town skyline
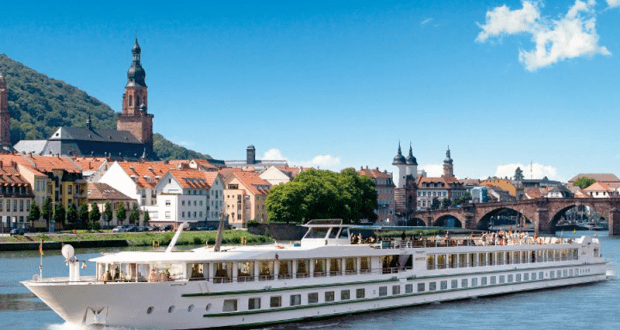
column 339, row 86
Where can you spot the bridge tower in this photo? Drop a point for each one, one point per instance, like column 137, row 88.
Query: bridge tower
column 405, row 198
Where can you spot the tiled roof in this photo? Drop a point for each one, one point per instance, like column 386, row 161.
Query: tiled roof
column 599, row 186
column 89, row 163
column 226, row 172
column 191, row 178
column 146, row 174
column 374, row 173
column 253, row 182
column 291, row 172
column 449, row 183
column 211, row 176
column 103, row 191
column 93, row 135
column 204, row 164
column 9, row 176
column 601, row 177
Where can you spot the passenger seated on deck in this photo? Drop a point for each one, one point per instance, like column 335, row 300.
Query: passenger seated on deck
column 107, row 276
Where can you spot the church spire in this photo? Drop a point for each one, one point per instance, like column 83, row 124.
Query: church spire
column 136, row 74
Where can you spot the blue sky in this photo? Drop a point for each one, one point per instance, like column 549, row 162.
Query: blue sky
column 338, row 84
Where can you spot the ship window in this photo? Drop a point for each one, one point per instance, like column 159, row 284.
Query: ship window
column 408, row 288
column 421, row 287
column 570, row 272
column 541, row 275
column 382, row 291
column 313, row 298
column 190, row 308
column 365, row 265
column 230, row 305
column 171, row 309
column 493, row 280
column 430, row 262
column 441, row 261
column 558, row 273
column 334, row 266
column 432, row 286
column 253, row 303
column 317, row 232
column 474, row 281
column 526, row 276
column 483, row 281
column 510, row 278
column 350, row 264
column 334, row 232
column 443, row 285
column 344, row 233
column 464, row 283
column 319, row 267
column 295, row 300
column 482, row 259
column 518, row 278
column 551, row 273
column 454, row 284
column 329, row 296
column 150, row 310
column 345, row 295
column 302, row 268
column 360, row 293
column 395, row 289
column 275, row 301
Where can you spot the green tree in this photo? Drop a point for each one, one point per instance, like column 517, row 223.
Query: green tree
column 435, row 204
column 72, row 214
column 46, row 211
column 317, row 194
column 107, row 212
column 83, row 215
column 584, row 182
column 446, row 203
column 146, row 218
column 59, row 214
column 121, row 212
column 134, row 216
column 94, row 215
column 518, row 174
column 35, row 213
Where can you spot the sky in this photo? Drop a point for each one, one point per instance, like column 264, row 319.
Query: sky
column 336, row 84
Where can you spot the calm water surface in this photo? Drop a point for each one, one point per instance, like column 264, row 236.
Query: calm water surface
column 593, row 306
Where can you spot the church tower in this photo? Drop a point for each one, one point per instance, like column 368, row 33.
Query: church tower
column 5, row 117
column 448, row 167
column 405, row 198
column 135, row 117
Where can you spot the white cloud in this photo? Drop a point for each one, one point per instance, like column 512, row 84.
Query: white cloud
column 534, row 170
column 428, row 20
column 273, row 154
column 570, row 36
column 432, row 170
column 613, row 3
column 319, row 161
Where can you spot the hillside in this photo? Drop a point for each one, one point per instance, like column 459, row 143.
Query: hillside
column 39, row 105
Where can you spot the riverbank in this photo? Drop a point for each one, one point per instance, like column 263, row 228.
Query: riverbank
column 54, row 241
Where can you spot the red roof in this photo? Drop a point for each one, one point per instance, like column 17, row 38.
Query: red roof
column 599, row 186
column 146, row 174
column 191, row 178
column 253, row 182
column 103, row 191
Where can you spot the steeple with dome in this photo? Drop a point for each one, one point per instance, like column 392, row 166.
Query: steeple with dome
column 448, row 166
column 405, row 192
column 135, row 117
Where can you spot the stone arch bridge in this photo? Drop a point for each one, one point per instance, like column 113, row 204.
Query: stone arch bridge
column 543, row 213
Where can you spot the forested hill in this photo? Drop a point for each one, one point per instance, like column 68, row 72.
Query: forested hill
column 39, row 105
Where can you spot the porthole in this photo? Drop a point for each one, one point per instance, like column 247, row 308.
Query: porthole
column 149, row 310
column 208, row 307
column 171, row 309
column 190, row 308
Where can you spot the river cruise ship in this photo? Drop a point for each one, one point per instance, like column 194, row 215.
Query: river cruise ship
column 329, row 273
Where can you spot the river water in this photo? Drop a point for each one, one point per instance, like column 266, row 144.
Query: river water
column 592, row 306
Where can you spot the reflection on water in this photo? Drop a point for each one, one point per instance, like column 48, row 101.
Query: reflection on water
column 21, row 302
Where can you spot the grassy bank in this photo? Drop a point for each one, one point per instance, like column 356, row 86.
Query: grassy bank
column 231, row 237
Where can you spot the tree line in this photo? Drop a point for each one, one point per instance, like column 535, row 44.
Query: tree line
column 82, row 217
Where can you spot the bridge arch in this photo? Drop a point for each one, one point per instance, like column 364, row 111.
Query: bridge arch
column 448, row 220
column 601, row 210
column 416, row 221
column 484, row 221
